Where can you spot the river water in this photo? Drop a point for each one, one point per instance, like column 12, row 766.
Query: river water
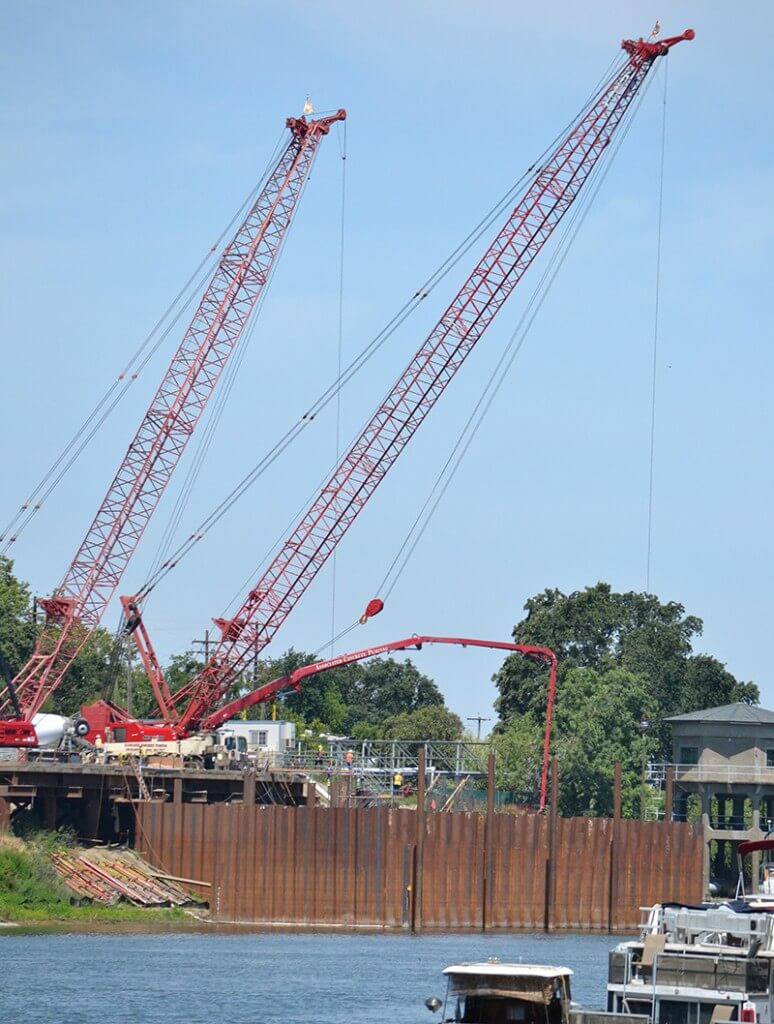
column 207, row 978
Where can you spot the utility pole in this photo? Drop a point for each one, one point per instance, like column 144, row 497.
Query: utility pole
column 478, row 719
column 644, row 726
column 205, row 643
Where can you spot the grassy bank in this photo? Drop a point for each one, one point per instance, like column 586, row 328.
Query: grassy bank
column 32, row 891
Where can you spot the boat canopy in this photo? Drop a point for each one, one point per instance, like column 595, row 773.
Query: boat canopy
column 530, row 983
column 755, row 846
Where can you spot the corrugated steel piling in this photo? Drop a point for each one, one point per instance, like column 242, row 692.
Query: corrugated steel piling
column 379, row 867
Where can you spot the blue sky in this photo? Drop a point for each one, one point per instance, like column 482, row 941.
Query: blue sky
column 131, row 134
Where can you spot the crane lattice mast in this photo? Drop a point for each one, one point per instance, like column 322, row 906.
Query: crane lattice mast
column 555, row 185
column 239, row 279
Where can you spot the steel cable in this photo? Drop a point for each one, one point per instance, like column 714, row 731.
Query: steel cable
column 128, row 375
column 354, row 367
column 502, row 367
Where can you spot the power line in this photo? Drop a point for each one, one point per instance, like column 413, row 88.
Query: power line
column 655, row 334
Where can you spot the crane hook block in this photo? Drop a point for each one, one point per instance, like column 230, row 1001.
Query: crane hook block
column 373, row 607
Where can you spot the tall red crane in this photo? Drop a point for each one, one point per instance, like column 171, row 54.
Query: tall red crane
column 77, row 605
column 555, row 185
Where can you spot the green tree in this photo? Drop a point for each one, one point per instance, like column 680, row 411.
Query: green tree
column 706, row 677
column 598, row 724
column 182, row 668
column 385, row 688
column 599, row 629
column 17, row 631
column 84, row 681
column 519, row 751
column 432, row 722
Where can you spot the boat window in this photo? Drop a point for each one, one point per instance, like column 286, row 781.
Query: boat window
column 496, row 1010
column 757, row 976
column 769, row 757
column 638, row 1006
column 717, row 1013
column 674, row 1011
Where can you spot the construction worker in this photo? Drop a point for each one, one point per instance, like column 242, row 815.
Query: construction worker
column 349, row 757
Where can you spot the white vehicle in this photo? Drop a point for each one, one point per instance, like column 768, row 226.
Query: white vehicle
column 264, row 736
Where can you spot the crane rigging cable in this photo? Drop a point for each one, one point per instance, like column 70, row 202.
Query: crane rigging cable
column 655, row 329
column 324, row 399
column 191, row 377
column 131, row 371
column 527, row 227
column 376, row 343
column 501, row 369
column 525, row 231
column 339, row 350
column 219, row 405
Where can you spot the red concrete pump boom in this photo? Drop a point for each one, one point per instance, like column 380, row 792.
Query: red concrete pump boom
column 294, row 679
column 231, row 295
column 549, row 195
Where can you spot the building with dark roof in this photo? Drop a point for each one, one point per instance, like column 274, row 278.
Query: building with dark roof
column 724, row 769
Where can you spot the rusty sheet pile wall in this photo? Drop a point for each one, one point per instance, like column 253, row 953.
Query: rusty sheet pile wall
column 392, row 867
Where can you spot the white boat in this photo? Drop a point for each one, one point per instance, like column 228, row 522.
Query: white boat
column 705, row 963
column 495, row 993
column 708, row 963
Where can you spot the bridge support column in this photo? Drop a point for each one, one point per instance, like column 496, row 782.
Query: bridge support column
column 48, row 813
column 5, row 814
column 669, row 793
column 92, row 812
column 248, row 788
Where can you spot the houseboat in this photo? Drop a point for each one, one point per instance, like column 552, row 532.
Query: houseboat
column 696, row 965
column 494, row 992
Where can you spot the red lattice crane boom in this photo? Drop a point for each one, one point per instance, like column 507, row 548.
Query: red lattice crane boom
column 549, row 195
column 231, row 295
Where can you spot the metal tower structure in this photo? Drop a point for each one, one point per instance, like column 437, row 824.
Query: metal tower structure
column 555, row 185
column 244, row 268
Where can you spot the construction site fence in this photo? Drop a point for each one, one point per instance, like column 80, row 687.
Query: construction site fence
column 414, row 869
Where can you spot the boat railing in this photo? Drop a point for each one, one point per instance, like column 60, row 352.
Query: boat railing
column 651, row 920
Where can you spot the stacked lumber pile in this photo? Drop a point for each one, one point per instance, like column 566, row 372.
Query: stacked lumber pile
column 111, row 876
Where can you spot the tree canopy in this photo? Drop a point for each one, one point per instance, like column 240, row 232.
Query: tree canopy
column 622, row 657
column 359, row 699
column 17, row 629
column 599, row 629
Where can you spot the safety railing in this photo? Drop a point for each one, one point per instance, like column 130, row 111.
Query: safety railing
column 709, row 772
